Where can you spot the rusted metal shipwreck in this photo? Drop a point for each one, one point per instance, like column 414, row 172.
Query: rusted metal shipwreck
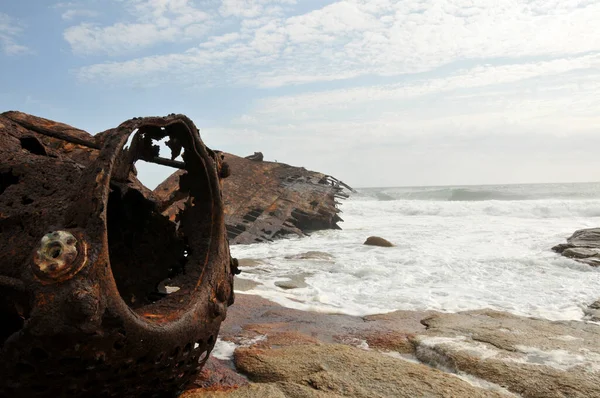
column 267, row 200
column 111, row 289
column 85, row 252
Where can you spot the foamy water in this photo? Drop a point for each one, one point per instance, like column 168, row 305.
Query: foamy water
column 456, row 249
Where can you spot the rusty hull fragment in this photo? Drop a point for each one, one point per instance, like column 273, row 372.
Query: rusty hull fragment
column 267, row 200
column 87, row 260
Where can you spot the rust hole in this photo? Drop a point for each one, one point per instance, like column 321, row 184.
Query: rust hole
column 33, row 145
column 39, row 354
column 152, row 271
column 7, row 178
column 12, row 322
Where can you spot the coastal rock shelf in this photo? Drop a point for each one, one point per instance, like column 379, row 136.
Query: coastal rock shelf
column 582, row 246
column 482, row 353
column 266, row 200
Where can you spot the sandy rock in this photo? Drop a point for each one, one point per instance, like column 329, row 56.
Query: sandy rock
column 337, row 370
column 243, row 285
column 377, row 241
column 250, row 391
column 252, row 316
column 294, row 282
column 249, row 262
column 218, row 375
column 529, row 357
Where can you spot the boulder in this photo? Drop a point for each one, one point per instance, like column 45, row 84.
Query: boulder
column 585, row 238
column 582, row 246
column 377, row 241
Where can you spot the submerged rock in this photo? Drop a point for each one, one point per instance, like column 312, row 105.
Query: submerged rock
column 294, row 282
column 377, row 241
column 582, row 246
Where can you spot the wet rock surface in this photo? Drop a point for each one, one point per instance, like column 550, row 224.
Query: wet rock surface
column 481, row 353
column 529, row 357
column 582, row 246
column 592, row 312
column 377, row 241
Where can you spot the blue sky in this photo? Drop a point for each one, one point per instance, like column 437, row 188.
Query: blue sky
column 377, row 93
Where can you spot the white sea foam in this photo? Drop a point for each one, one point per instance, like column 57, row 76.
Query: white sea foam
column 224, row 349
column 450, row 256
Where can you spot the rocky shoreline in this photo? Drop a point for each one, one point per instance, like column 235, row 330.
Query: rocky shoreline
column 583, row 246
column 282, row 352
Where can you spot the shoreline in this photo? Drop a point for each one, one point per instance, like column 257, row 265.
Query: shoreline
column 284, row 352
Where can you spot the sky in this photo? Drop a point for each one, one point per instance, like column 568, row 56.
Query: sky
column 374, row 92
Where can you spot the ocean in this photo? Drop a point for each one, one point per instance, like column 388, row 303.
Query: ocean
column 457, row 248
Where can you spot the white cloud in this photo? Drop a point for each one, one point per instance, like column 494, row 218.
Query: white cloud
column 74, row 13
column 480, row 76
column 155, row 21
column 252, row 8
column 511, row 123
column 10, row 29
column 348, row 38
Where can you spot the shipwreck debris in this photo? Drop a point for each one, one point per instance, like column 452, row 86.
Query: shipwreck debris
column 101, row 295
column 257, row 156
column 266, row 200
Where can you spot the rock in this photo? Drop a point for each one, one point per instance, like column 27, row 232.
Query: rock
column 311, row 255
column 334, row 370
column 249, row 262
column 583, row 246
column 253, row 316
column 561, row 247
column 217, row 375
column 243, row 285
column 297, row 354
column 294, row 282
column 595, row 305
column 250, row 391
column 530, row 357
column 377, row 241
column 585, row 238
column 592, row 312
column 592, row 261
column 580, row 252
column 258, row 156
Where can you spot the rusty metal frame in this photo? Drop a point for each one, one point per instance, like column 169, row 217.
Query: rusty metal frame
column 82, row 307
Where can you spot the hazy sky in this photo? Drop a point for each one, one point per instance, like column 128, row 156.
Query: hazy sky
column 375, row 92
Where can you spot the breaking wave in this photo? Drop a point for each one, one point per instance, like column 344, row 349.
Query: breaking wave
column 484, row 193
column 553, row 208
